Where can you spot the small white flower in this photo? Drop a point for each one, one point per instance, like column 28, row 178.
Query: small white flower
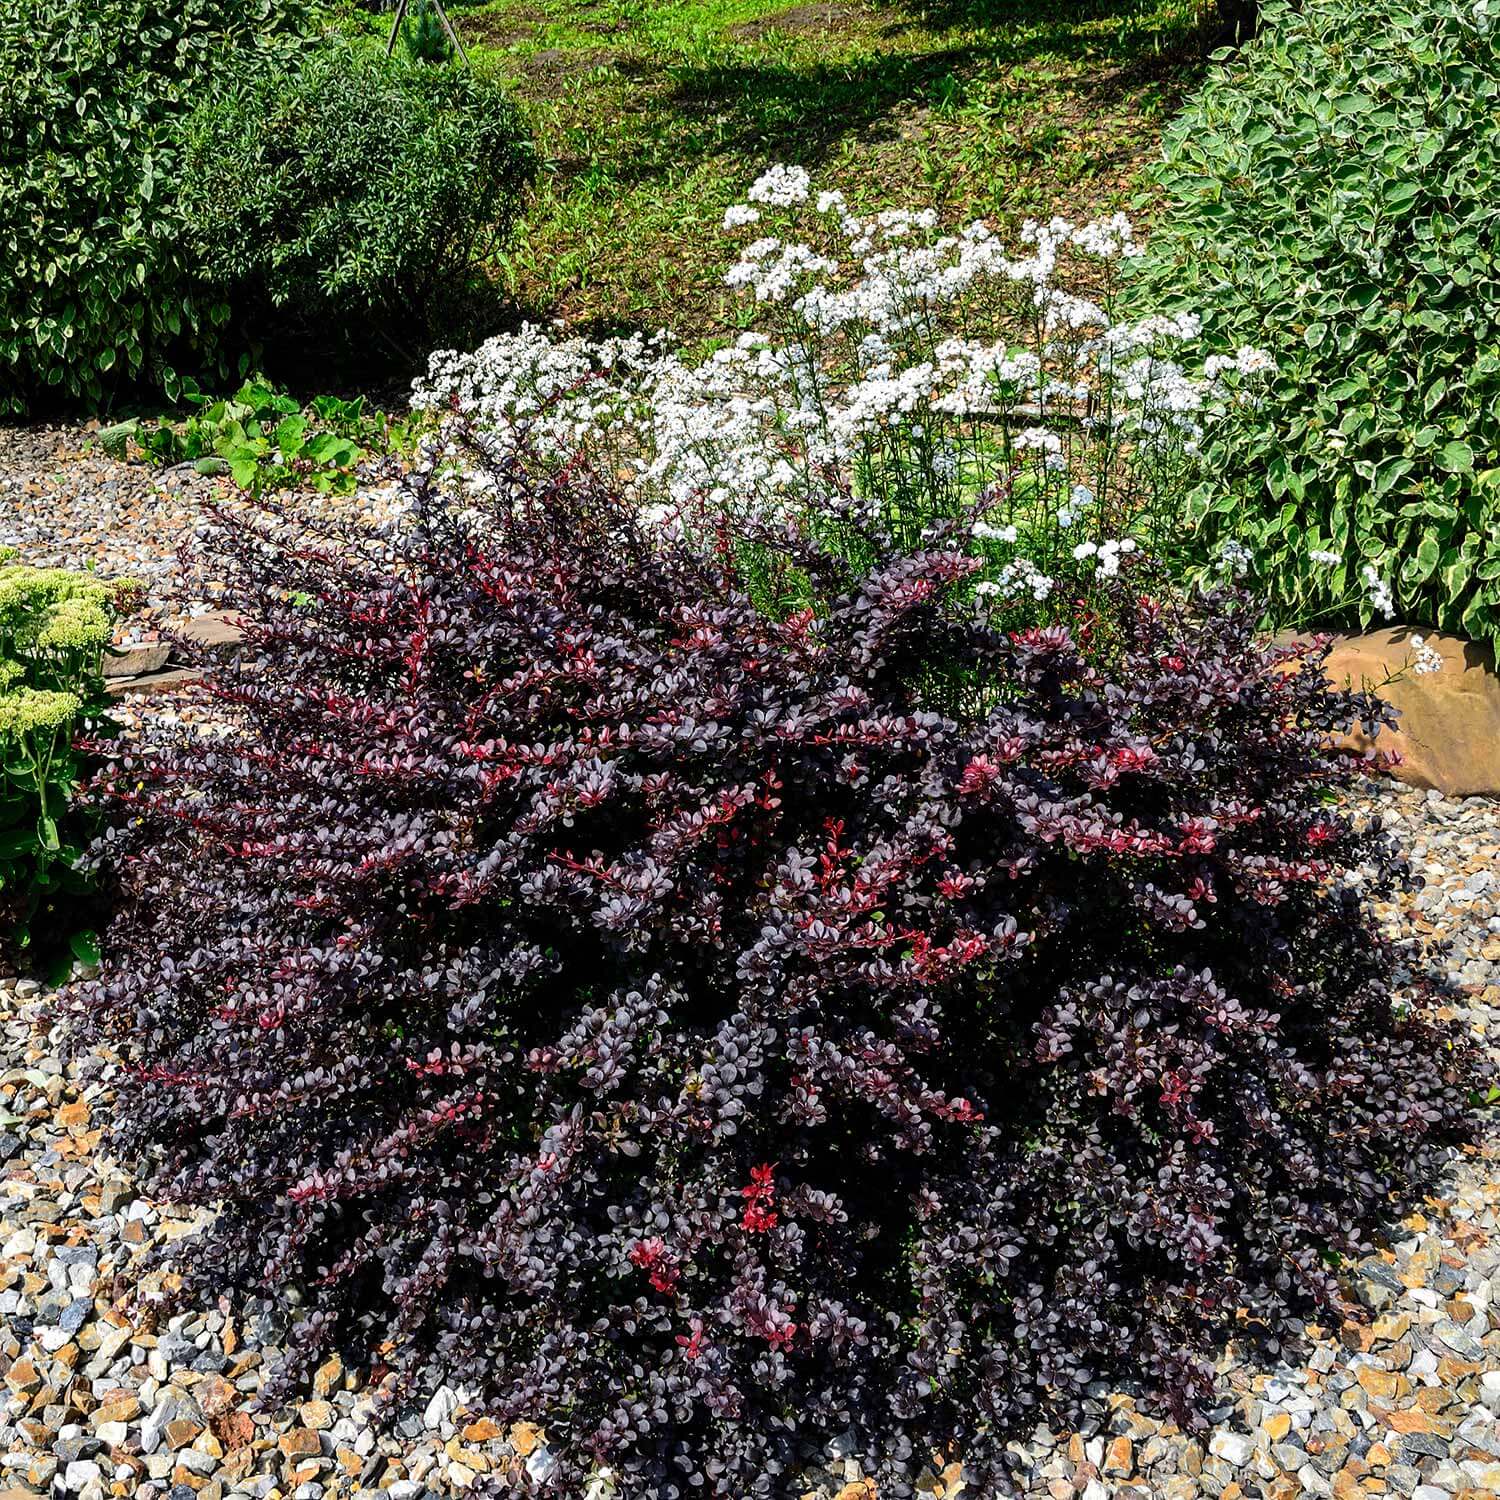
column 1379, row 591
column 739, row 214
column 781, row 187
column 987, row 533
column 1039, row 437
column 1427, row 658
column 1327, row 559
column 1234, row 557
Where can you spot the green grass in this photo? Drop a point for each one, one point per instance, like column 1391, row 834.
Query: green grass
column 652, row 118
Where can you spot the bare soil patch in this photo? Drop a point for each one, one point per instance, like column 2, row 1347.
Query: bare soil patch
column 800, row 18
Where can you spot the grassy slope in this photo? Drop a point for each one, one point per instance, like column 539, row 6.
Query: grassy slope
column 653, row 117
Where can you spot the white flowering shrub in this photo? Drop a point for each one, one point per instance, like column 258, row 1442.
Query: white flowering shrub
column 895, row 375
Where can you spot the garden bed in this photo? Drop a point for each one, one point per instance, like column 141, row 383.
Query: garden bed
column 65, row 503
column 106, row 1396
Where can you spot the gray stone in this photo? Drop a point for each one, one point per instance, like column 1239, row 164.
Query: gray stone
column 1422, row 1444
column 1233, row 1447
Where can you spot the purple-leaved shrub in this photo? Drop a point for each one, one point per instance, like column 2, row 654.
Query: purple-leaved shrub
column 663, row 1020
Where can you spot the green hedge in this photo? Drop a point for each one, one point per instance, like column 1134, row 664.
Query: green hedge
column 94, row 290
column 351, row 187
column 183, row 180
column 1333, row 195
column 55, row 627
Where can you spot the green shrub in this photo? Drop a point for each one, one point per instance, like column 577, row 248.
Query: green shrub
column 424, row 36
column 94, row 288
column 55, row 627
column 1332, row 197
column 351, row 187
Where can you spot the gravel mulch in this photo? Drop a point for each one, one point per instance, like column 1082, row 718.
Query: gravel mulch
column 102, row 1400
column 65, row 503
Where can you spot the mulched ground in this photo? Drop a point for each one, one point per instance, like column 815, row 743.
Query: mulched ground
column 66, row 504
column 103, row 1397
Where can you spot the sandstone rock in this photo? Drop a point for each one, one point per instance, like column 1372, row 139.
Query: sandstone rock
column 327, row 1377
column 153, row 682
column 120, row 1409
column 1277, row 1425
column 300, row 1442
column 524, row 1437
column 317, row 1414
column 1378, row 1382
column 1449, row 734
column 1120, row 1457
column 235, row 1430
column 214, row 1395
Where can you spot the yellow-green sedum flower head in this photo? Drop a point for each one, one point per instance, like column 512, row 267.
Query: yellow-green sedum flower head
column 25, row 711
column 52, row 610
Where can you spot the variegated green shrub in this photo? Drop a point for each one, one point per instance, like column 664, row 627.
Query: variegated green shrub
column 1333, row 195
column 96, row 283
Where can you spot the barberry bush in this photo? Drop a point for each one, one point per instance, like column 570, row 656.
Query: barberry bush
column 671, row 1024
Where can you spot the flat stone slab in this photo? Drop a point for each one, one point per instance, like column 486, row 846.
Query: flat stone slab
column 151, row 683
column 213, row 630
column 137, row 660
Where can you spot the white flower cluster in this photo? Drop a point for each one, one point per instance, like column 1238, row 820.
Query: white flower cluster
column 985, row 532
column 1425, row 658
column 1105, row 555
column 781, row 187
column 1234, row 557
column 1019, row 575
column 1080, row 498
column 904, row 371
column 1378, row 591
column 1245, row 361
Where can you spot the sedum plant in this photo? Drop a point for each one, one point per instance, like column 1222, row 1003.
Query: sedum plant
column 55, row 627
column 893, row 374
column 568, row 981
column 1330, row 193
